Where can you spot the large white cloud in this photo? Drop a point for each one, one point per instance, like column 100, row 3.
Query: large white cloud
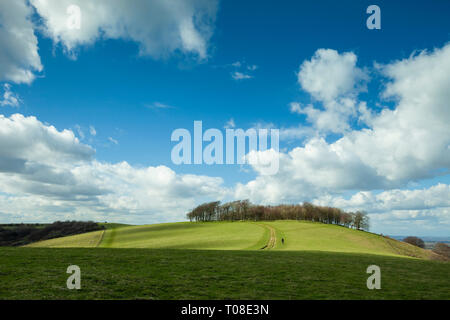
column 329, row 74
column 334, row 81
column 158, row 26
column 19, row 57
column 47, row 174
column 27, row 138
column 408, row 143
column 37, row 158
column 412, row 141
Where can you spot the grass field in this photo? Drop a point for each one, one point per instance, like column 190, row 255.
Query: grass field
column 223, row 260
column 40, row 273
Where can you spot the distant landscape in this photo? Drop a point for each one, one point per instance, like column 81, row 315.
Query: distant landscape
column 429, row 241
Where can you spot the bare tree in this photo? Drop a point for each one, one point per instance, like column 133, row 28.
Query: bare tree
column 361, row 220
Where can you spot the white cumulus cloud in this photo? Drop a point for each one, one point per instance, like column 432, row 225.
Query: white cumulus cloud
column 408, row 143
column 160, row 27
column 47, row 174
column 334, row 81
column 329, row 74
column 19, row 57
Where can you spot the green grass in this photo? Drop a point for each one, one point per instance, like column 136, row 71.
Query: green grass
column 84, row 240
column 40, row 273
column 312, row 236
column 223, row 260
column 298, row 235
column 182, row 235
column 186, row 235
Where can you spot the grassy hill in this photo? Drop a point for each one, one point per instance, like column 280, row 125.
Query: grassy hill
column 84, row 240
column 223, row 260
column 298, row 236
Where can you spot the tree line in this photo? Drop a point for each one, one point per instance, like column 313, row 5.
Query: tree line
column 22, row 234
column 245, row 210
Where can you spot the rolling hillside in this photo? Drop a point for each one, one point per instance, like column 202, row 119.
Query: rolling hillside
column 84, row 240
column 223, row 260
column 297, row 235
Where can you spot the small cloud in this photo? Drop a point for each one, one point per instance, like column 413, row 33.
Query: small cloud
column 79, row 131
column 242, row 70
column 113, row 140
column 296, row 108
column 159, row 106
column 9, row 98
column 230, row 124
column 240, row 76
column 92, row 131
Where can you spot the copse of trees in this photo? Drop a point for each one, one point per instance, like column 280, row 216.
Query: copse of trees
column 415, row 241
column 244, row 210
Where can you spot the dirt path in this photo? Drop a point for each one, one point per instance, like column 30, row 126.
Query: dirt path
column 272, row 240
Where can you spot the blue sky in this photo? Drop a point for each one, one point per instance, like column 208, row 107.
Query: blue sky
column 135, row 99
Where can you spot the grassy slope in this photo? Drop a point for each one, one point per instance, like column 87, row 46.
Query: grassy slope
column 211, row 274
column 84, row 240
column 305, row 267
column 183, row 235
column 324, row 237
column 241, row 236
column 186, row 235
